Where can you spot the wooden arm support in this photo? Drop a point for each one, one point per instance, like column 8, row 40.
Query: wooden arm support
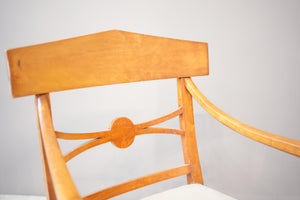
column 59, row 174
column 284, row 144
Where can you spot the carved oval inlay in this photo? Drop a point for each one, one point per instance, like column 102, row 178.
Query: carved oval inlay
column 122, row 132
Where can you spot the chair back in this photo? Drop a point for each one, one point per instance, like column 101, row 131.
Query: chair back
column 106, row 58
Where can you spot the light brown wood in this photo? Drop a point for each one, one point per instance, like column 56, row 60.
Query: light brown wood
column 81, row 136
column 138, row 183
column 60, row 176
column 107, row 138
column 86, row 146
column 142, row 128
column 50, row 192
column 122, row 133
column 159, row 130
column 119, row 57
column 189, row 143
column 101, row 59
column 282, row 143
column 160, row 119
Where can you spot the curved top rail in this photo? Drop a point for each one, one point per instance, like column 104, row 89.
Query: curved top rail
column 103, row 58
column 282, row 143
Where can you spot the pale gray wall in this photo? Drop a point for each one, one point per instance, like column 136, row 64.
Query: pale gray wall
column 254, row 49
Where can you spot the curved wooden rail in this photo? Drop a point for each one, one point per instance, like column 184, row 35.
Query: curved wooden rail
column 160, row 119
column 284, row 144
column 142, row 128
column 139, row 182
column 159, row 130
column 86, row 146
column 123, row 134
column 80, row 136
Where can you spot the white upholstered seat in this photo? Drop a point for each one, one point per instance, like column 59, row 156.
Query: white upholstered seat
column 21, row 197
column 190, row 192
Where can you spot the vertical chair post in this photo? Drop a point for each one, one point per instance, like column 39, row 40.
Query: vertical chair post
column 189, row 144
column 50, row 192
column 58, row 180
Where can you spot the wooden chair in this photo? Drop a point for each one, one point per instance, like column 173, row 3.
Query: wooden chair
column 113, row 57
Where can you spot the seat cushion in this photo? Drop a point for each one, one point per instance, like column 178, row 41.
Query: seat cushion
column 190, row 192
column 21, row 197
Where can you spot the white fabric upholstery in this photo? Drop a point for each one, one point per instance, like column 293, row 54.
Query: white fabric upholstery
column 21, row 197
column 190, row 192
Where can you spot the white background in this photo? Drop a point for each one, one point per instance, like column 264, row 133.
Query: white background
column 254, row 49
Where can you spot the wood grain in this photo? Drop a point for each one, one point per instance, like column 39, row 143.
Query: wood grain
column 161, row 119
column 50, row 191
column 114, row 57
column 60, row 176
column 122, row 133
column 159, row 130
column 101, row 59
column 80, row 136
column 86, row 146
column 139, row 182
column 189, row 143
column 282, row 143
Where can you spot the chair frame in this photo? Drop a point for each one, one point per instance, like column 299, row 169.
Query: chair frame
column 33, row 69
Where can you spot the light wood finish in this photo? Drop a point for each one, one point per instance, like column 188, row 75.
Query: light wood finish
column 118, row 143
column 139, row 182
column 81, row 136
column 119, row 57
column 160, row 119
column 86, row 146
column 189, row 144
column 282, row 143
column 141, row 128
column 50, row 191
column 60, row 176
column 160, row 130
column 101, row 59
column 122, row 133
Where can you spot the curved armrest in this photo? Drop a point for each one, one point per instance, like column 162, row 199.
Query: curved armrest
column 284, row 144
column 63, row 184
